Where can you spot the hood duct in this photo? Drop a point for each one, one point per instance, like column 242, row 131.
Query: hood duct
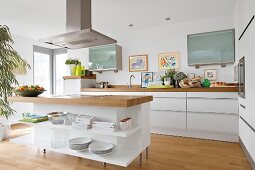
column 78, row 25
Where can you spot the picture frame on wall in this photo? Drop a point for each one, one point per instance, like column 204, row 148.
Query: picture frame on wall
column 210, row 74
column 138, row 63
column 169, row 60
column 146, row 79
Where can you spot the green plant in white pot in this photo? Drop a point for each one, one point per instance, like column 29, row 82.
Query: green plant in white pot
column 10, row 60
column 71, row 65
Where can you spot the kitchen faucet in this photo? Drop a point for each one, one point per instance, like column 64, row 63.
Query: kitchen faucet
column 130, row 84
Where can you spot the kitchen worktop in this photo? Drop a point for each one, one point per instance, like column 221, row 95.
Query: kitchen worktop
column 137, row 89
column 111, row 101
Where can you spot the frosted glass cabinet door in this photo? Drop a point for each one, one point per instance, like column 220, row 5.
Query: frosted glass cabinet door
column 211, row 48
column 103, row 57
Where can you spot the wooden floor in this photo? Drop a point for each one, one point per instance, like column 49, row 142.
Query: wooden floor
column 166, row 153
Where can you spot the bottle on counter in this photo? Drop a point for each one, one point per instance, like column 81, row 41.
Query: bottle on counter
column 78, row 69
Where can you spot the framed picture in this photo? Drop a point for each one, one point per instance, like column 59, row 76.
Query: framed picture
column 211, row 74
column 146, row 78
column 157, row 76
column 138, row 63
column 168, row 60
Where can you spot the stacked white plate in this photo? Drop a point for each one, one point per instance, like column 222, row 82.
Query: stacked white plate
column 100, row 148
column 79, row 144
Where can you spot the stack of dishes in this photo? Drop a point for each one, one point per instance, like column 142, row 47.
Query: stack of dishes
column 79, row 144
column 100, row 148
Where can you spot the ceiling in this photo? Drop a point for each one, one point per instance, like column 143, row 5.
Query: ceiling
column 41, row 18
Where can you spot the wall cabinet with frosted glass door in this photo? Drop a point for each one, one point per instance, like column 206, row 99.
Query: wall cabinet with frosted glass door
column 105, row 58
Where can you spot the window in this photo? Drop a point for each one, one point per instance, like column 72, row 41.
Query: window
column 60, row 71
column 49, row 68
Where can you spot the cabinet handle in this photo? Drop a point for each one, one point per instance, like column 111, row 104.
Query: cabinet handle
column 242, row 106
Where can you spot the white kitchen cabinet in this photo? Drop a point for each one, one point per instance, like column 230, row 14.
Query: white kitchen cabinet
column 249, row 43
column 201, row 115
column 212, row 105
column 212, row 116
column 213, row 95
column 247, row 136
column 215, row 124
column 166, row 94
column 168, row 122
column 169, row 104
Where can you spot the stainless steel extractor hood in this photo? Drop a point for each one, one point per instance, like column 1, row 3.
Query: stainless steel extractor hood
column 78, row 25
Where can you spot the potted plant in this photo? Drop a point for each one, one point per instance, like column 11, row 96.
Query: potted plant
column 178, row 76
column 170, row 75
column 10, row 60
column 71, row 66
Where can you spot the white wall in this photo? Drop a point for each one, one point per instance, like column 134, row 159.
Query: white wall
column 165, row 38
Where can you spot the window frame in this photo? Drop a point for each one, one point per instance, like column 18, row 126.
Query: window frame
column 52, row 63
column 56, row 52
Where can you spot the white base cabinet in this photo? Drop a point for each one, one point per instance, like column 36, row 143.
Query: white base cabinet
column 168, row 122
column 213, row 126
column 247, row 136
column 206, row 115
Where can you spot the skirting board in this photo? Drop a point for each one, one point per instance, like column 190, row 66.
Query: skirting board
column 248, row 156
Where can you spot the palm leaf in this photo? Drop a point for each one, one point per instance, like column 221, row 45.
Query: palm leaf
column 9, row 60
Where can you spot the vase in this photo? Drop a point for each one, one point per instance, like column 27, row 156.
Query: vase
column 70, row 69
column 177, row 85
column 78, row 70
column 4, row 131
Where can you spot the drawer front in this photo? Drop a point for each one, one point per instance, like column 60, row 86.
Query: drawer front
column 225, row 95
column 169, row 104
column 247, row 136
column 212, row 123
column 166, row 94
column 168, row 120
column 212, row 105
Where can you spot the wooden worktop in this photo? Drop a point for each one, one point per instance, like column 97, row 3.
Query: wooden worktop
column 136, row 89
column 93, row 76
column 110, row 101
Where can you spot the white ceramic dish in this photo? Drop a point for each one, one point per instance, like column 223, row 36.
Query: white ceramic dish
column 79, row 141
column 79, row 144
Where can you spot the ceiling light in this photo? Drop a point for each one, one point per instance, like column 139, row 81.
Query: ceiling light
column 130, row 25
column 168, row 19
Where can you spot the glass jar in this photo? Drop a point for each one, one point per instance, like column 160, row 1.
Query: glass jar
column 59, row 137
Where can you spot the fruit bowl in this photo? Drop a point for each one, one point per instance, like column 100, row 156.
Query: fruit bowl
column 29, row 91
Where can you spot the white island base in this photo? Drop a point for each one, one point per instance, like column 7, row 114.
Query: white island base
column 128, row 144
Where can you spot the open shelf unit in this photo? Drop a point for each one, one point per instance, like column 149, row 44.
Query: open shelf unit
column 117, row 157
column 118, row 133
column 128, row 144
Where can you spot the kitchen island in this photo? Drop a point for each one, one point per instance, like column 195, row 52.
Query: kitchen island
column 128, row 144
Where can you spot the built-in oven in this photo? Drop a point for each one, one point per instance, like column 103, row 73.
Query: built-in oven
column 241, row 77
